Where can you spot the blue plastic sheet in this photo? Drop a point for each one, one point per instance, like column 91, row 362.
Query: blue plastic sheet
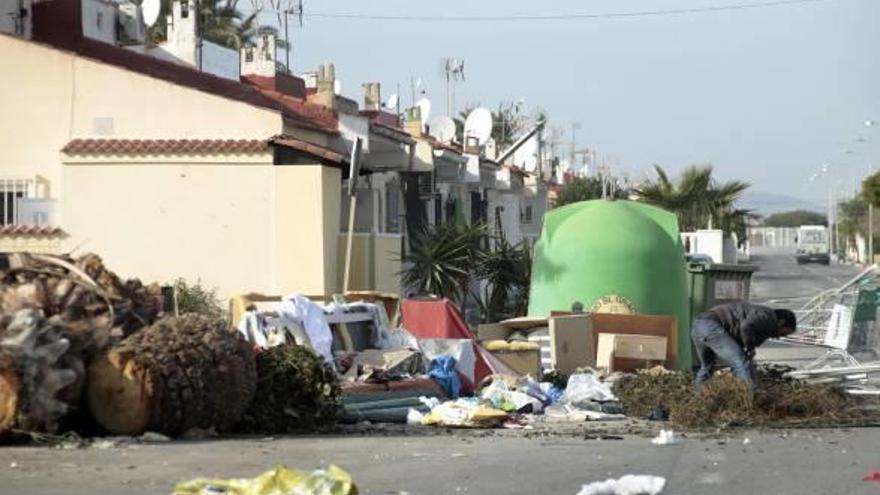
column 443, row 372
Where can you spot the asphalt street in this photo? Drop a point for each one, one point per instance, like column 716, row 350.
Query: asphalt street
column 780, row 281
column 802, row 462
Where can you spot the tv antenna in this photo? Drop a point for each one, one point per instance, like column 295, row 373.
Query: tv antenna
column 293, row 7
column 454, row 70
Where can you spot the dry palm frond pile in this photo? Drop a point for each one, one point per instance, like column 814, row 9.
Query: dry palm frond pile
column 296, row 391
column 725, row 401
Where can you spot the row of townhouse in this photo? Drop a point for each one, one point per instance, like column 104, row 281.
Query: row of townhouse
column 174, row 161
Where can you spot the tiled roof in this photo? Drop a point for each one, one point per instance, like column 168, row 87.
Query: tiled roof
column 391, row 133
column 31, row 230
column 164, row 146
column 306, row 147
column 453, row 147
column 382, row 117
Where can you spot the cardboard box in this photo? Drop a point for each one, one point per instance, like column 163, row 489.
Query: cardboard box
column 572, row 344
column 656, row 325
column 526, row 362
column 627, row 352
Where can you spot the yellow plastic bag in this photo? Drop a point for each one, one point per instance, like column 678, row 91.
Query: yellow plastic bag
column 278, row 481
column 464, row 412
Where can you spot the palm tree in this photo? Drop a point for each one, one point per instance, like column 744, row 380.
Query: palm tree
column 697, row 199
column 506, row 269
column 443, row 260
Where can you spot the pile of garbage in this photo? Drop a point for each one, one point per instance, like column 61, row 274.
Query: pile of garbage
column 777, row 400
column 516, row 402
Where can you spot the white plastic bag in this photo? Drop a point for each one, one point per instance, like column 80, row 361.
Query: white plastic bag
column 584, row 387
column 298, row 309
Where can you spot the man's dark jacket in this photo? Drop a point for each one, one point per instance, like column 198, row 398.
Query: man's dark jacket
column 748, row 324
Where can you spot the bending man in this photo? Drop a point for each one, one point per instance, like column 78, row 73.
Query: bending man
column 732, row 332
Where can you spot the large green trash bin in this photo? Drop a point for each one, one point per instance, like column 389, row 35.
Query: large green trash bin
column 612, row 253
column 711, row 284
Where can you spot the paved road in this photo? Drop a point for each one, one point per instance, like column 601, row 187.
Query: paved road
column 782, row 282
column 803, row 462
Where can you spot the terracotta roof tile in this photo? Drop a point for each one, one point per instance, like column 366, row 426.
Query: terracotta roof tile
column 391, row 133
column 311, row 149
column 164, row 146
column 31, row 230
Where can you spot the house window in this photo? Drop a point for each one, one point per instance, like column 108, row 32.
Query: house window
column 249, row 54
column 99, row 20
column 184, row 9
column 11, row 192
column 525, row 216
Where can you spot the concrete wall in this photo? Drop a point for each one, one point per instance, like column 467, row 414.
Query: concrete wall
column 307, row 202
column 37, row 108
column 375, row 263
column 160, row 221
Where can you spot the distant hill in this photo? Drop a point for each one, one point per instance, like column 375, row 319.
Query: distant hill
column 769, row 203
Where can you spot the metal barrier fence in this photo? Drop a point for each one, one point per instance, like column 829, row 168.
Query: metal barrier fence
column 842, row 320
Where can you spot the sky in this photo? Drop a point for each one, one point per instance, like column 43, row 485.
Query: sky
column 767, row 95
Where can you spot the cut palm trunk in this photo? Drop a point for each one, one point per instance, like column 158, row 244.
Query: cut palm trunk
column 178, row 374
column 56, row 314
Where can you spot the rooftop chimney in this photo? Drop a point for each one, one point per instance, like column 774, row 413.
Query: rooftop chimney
column 413, row 124
column 326, row 86
column 259, row 60
column 372, row 97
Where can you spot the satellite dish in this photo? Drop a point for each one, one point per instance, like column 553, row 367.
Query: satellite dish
column 479, row 124
column 392, row 101
column 151, row 9
column 424, row 105
column 442, row 128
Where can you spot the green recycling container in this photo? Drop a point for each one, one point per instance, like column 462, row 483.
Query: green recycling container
column 612, row 256
column 711, row 284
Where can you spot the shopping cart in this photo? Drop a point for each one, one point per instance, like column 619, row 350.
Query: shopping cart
column 844, row 322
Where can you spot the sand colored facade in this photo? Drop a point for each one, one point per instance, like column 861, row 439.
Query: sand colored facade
column 235, row 221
